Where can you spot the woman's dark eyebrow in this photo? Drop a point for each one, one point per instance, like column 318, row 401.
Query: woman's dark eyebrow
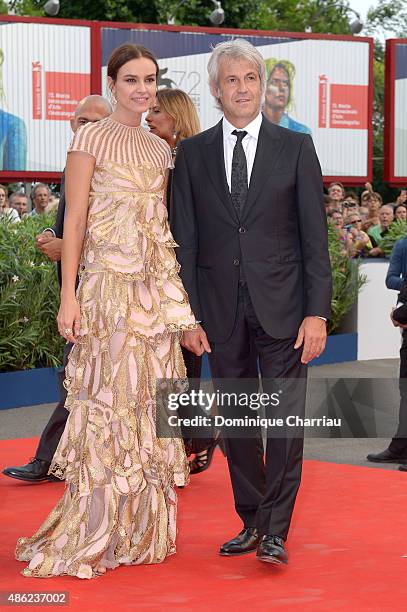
column 136, row 75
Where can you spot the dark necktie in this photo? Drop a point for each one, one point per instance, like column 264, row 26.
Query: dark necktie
column 238, row 184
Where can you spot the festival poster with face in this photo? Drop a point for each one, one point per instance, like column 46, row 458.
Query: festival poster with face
column 314, row 86
column 45, row 72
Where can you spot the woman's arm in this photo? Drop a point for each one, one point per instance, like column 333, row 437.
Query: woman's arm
column 78, row 175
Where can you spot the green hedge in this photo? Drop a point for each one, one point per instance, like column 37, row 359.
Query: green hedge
column 397, row 230
column 29, row 298
column 346, row 279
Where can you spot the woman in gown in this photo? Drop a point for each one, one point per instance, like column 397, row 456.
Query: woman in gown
column 119, row 505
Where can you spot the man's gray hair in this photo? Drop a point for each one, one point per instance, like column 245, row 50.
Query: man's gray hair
column 17, row 194
column 237, row 48
column 388, row 206
column 37, row 186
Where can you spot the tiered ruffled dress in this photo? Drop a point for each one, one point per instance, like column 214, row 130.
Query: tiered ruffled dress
column 119, row 505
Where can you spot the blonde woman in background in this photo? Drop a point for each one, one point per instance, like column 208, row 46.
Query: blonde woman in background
column 5, row 209
column 173, row 117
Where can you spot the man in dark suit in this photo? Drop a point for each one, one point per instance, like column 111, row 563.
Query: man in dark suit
column 90, row 109
column 248, row 216
column 396, row 279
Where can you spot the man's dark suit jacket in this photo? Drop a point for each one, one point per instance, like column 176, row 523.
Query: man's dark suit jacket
column 280, row 238
column 58, row 227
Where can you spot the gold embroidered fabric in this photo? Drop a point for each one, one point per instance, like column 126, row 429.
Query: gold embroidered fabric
column 119, row 505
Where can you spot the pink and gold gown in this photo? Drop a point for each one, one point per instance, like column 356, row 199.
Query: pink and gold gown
column 119, row 505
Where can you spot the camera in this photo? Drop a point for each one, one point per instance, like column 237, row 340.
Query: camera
column 400, row 313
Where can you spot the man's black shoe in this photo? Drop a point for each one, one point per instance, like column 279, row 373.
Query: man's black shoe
column 35, row 471
column 386, row 457
column 271, row 550
column 245, row 542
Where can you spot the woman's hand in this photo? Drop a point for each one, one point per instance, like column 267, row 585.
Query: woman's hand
column 69, row 318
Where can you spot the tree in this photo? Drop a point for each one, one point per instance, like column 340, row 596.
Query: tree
column 280, row 15
column 388, row 17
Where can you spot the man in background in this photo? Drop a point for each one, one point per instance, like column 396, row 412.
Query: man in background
column 396, row 277
column 378, row 232
column 40, row 199
column 19, row 201
column 90, row 109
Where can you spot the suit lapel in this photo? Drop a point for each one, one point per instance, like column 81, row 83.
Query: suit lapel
column 215, row 162
column 268, row 150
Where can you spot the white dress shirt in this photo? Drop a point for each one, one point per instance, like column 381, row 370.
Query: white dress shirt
column 249, row 144
column 12, row 214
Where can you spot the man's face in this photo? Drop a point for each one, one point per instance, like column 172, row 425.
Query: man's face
column 336, row 192
column 401, row 213
column 41, row 198
column 385, row 216
column 337, row 219
column 90, row 112
column 329, row 207
column 278, row 90
column 239, row 91
column 20, row 204
column 373, row 205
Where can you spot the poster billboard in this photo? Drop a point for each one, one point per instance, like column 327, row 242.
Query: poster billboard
column 45, row 71
column 395, row 134
column 47, row 66
column 327, row 83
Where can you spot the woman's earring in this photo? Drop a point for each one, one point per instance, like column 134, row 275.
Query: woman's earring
column 113, row 98
column 174, row 148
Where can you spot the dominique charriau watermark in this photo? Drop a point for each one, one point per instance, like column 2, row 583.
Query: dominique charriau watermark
column 257, row 421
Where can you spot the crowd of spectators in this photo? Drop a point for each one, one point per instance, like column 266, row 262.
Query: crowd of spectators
column 15, row 205
column 362, row 223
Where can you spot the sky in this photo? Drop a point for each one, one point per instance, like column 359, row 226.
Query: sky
column 362, row 6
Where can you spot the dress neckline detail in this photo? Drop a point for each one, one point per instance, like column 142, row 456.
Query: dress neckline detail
column 129, row 127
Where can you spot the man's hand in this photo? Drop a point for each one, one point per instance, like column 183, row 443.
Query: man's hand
column 312, row 334
column 396, row 323
column 49, row 245
column 196, row 341
column 376, row 252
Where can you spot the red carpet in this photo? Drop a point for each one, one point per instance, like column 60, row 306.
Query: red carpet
column 347, row 539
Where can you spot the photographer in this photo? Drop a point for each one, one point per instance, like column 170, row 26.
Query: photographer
column 345, row 236
column 361, row 244
column 397, row 279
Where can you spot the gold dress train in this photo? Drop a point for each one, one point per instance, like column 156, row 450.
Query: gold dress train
column 119, row 505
